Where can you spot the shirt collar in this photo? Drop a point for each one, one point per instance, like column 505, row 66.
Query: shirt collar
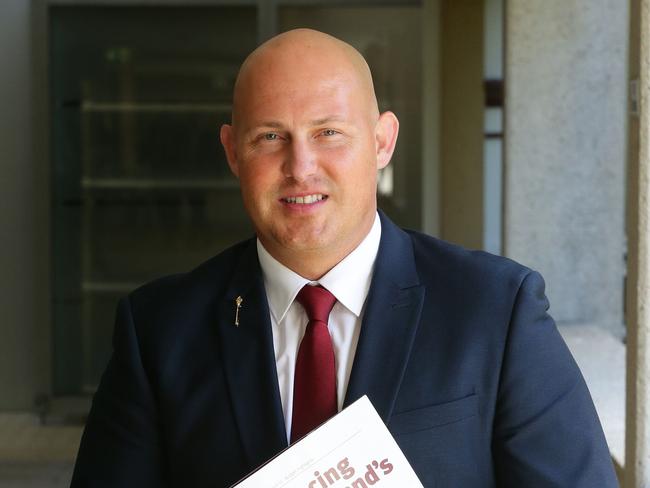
column 349, row 281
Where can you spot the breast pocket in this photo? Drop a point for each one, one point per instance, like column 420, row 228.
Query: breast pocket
column 434, row 415
column 439, row 443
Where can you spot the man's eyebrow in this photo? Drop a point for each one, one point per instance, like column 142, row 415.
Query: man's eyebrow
column 327, row 120
column 269, row 123
column 273, row 124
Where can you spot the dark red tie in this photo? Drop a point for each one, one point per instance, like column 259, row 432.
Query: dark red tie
column 314, row 386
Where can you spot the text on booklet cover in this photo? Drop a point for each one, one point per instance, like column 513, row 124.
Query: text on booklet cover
column 354, row 449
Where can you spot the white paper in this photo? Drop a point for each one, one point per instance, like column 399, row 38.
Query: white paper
column 354, row 449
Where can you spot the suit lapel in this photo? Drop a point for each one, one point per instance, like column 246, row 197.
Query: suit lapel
column 249, row 362
column 390, row 322
column 388, row 329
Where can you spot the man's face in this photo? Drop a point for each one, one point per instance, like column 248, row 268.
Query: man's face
column 304, row 145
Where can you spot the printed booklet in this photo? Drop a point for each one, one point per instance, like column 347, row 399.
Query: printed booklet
column 354, row 449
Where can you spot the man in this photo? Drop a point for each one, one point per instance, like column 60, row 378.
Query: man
column 209, row 377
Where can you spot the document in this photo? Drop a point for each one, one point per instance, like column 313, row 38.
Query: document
column 353, row 449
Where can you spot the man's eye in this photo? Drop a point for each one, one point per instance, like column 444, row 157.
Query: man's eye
column 329, row 132
column 270, row 136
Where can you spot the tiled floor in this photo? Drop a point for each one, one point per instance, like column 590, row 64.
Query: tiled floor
column 36, row 456
column 35, row 475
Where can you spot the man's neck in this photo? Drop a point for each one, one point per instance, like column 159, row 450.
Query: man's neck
column 313, row 264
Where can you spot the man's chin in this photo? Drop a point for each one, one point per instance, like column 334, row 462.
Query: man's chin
column 304, row 245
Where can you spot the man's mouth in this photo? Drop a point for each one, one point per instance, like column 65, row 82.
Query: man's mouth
column 305, row 199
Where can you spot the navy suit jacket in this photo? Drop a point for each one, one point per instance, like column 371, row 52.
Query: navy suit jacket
column 456, row 352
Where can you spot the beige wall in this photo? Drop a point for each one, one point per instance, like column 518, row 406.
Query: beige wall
column 637, row 456
column 632, row 221
column 462, row 122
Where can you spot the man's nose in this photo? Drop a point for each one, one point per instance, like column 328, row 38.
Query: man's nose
column 300, row 160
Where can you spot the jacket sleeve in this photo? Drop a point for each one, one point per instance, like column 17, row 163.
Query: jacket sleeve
column 121, row 444
column 546, row 430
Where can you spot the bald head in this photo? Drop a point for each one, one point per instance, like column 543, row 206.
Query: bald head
column 306, row 142
column 303, row 55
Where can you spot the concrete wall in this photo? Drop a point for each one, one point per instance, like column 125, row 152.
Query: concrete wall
column 21, row 251
column 565, row 151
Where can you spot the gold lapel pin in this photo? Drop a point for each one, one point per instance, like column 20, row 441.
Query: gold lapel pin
column 238, row 301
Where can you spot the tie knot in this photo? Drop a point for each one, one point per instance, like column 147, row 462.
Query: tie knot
column 318, row 302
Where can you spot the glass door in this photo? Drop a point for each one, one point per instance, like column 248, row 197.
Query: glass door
column 141, row 187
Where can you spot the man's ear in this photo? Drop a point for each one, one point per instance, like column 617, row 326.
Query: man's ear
column 386, row 132
column 228, row 141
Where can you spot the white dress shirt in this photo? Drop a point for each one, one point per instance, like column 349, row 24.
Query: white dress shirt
column 349, row 282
